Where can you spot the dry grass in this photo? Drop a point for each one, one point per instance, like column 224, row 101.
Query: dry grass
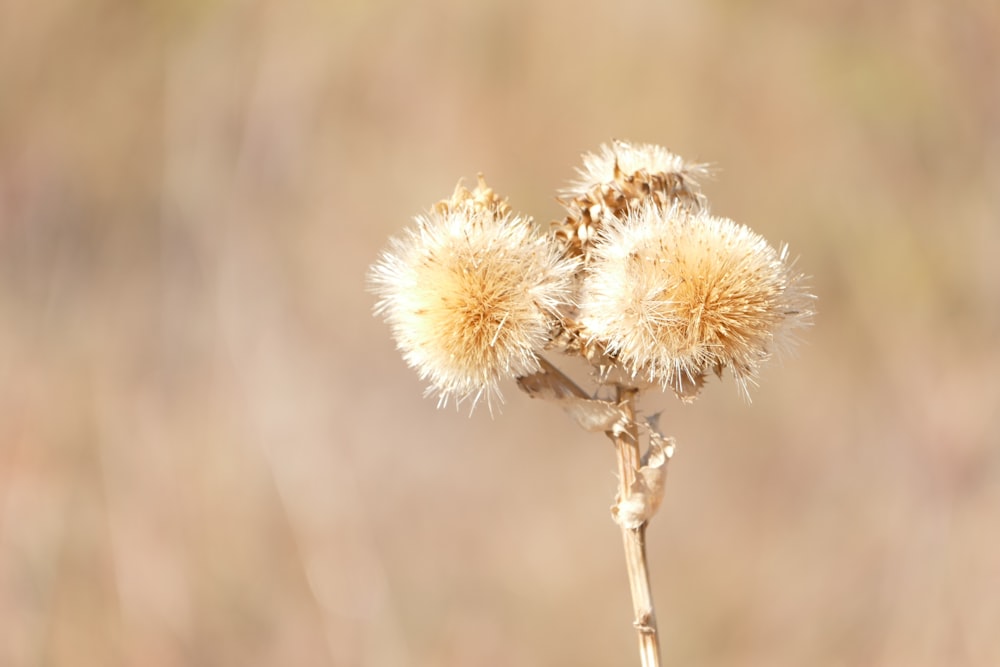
column 211, row 454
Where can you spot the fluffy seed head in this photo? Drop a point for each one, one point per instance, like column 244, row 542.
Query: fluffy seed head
column 621, row 177
column 471, row 295
column 643, row 166
column 675, row 294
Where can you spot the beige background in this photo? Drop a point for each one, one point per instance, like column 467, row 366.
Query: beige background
column 211, row 454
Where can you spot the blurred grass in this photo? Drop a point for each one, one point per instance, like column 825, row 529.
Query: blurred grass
column 211, row 454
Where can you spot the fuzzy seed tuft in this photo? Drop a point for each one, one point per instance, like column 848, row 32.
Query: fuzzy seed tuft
column 675, row 294
column 471, row 296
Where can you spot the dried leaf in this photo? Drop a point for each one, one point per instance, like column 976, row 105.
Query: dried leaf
column 644, row 497
column 591, row 414
column 545, row 386
column 594, row 415
column 661, row 447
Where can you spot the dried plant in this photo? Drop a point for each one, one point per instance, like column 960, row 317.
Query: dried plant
column 638, row 279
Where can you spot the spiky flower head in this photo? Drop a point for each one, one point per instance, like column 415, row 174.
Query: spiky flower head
column 620, row 177
column 479, row 200
column 674, row 294
column 471, row 295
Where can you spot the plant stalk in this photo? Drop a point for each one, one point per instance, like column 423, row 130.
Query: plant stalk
column 626, row 442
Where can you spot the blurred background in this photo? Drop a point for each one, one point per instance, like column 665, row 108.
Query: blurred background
column 211, row 453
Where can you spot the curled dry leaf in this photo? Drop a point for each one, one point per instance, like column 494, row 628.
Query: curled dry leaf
column 660, row 446
column 644, row 497
column 593, row 415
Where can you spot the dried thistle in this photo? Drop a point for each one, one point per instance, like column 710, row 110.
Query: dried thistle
column 638, row 280
column 471, row 295
column 675, row 294
column 619, row 177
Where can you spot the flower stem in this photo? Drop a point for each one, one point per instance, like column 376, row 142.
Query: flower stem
column 626, row 442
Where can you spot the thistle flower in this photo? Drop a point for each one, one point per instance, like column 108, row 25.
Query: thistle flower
column 620, row 177
column 471, row 295
column 675, row 294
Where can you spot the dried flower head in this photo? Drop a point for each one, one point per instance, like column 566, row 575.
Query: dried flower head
column 481, row 199
column 674, row 294
column 620, row 177
column 471, row 295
